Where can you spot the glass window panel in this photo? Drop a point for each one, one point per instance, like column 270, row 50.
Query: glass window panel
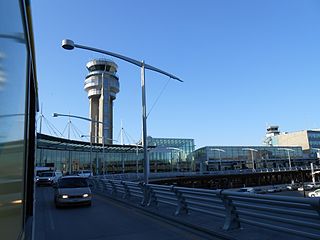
column 13, row 76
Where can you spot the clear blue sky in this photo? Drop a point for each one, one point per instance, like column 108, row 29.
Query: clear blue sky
column 245, row 64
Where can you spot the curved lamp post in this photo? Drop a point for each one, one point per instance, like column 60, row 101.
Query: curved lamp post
column 251, row 150
column 219, row 151
column 86, row 119
column 73, row 116
column 69, row 45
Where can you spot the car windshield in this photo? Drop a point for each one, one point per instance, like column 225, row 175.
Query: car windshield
column 73, row 183
column 46, row 174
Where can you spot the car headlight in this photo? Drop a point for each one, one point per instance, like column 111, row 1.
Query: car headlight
column 64, row 196
column 85, row 195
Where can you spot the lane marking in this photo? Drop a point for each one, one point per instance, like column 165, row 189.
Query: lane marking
column 48, row 210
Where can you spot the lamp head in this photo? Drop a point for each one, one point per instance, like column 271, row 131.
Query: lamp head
column 55, row 115
column 67, row 44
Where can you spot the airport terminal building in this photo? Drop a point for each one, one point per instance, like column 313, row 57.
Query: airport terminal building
column 213, row 158
column 165, row 154
column 171, row 154
column 71, row 155
column 309, row 140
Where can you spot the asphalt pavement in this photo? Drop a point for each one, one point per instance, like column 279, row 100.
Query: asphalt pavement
column 105, row 219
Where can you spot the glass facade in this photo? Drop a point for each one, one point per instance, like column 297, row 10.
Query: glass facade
column 165, row 154
column 213, row 158
column 314, row 139
column 71, row 156
column 170, row 154
column 17, row 120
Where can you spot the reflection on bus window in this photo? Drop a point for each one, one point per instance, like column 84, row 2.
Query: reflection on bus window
column 13, row 78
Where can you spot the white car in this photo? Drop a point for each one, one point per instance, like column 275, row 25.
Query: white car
column 72, row 190
column 274, row 189
column 314, row 186
column 45, row 178
column 308, row 187
column 293, row 187
column 85, row 173
column 315, row 193
column 247, row 190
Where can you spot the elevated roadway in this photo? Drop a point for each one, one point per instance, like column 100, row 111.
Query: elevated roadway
column 105, row 219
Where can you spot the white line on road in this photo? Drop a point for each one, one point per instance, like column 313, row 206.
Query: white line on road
column 48, row 210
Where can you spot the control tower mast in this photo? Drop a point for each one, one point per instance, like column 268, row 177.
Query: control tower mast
column 102, row 85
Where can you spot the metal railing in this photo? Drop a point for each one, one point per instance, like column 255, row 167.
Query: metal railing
column 293, row 215
column 139, row 176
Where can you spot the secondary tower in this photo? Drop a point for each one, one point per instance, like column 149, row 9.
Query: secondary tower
column 102, row 85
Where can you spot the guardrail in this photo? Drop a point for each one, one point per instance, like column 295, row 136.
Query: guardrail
column 139, row 176
column 293, row 215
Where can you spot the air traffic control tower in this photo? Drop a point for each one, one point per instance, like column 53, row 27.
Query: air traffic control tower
column 102, row 85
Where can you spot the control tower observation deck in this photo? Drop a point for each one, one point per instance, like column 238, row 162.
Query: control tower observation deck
column 102, row 85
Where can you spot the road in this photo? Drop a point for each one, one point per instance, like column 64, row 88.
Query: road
column 105, row 219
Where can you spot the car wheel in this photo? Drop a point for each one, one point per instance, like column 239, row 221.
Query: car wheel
column 312, row 195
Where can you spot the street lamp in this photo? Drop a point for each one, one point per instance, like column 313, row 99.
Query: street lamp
column 86, row 119
column 90, row 152
column 82, row 136
column 219, row 151
column 288, row 152
column 251, row 150
column 69, row 45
